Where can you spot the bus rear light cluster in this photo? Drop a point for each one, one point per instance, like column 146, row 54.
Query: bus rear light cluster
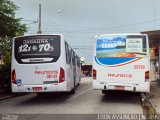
column 61, row 75
column 94, row 74
column 147, row 76
column 14, row 76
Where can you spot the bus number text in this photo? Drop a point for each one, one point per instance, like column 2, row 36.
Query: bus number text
column 139, row 66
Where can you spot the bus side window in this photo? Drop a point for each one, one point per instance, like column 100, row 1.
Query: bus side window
column 144, row 49
column 73, row 58
column 78, row 62
column 69, row 57
column 67, row 53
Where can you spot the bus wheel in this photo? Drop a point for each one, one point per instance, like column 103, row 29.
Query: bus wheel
column 104, row 91
column 40, row 94
column 74, row 89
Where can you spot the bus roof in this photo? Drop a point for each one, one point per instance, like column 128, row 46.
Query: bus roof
column 37, row 35
column 103, row 35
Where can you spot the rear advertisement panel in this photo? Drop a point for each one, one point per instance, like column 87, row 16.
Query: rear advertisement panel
column 46, row 47
column 116, row 50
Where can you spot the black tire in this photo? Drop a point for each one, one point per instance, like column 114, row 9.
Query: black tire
column 74, row 89
column 40, row 94
column 104, row 91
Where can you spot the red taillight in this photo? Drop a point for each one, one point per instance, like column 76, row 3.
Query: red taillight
column 147, row 76
column 14, row 76
column 94, row 74
column 61, row 75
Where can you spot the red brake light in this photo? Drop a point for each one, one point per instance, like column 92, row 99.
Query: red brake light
column 94, row 74
column 62, row 75
column 14, row 76
column 147, row 76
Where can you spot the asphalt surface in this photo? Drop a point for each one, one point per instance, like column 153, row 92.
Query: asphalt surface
column 86, row 101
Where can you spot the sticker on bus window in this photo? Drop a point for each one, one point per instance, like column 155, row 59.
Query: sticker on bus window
column 134, row 45
column 18, row 81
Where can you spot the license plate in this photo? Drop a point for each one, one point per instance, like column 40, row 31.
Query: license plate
column 37, row 89
column 119, row 87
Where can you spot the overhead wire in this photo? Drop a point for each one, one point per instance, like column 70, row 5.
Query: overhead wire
column 91, row 30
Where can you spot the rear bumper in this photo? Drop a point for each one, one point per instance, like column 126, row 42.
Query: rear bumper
column 145, row 87
column 59, row 87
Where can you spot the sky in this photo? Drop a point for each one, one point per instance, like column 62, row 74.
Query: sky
column 80, row 20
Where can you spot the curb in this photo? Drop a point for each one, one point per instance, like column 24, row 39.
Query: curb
column 10, row 96
column 147, row 107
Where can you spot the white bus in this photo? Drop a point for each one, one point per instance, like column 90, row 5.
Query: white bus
column 44, row 63
column 121, row 62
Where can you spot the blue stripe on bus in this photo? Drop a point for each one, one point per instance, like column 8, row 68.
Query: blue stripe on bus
column 112, row 61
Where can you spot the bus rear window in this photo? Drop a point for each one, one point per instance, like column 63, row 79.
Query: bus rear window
column 37, row 49
column 121, row 46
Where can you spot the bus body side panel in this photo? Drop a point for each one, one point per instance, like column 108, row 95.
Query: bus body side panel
column 73, row 69
column 78, row 71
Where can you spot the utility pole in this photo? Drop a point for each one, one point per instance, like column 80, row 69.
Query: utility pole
column 39, row 21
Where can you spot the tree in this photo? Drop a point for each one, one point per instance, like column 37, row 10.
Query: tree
column 10, row 27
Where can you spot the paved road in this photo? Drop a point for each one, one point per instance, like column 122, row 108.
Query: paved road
column 85, row 101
